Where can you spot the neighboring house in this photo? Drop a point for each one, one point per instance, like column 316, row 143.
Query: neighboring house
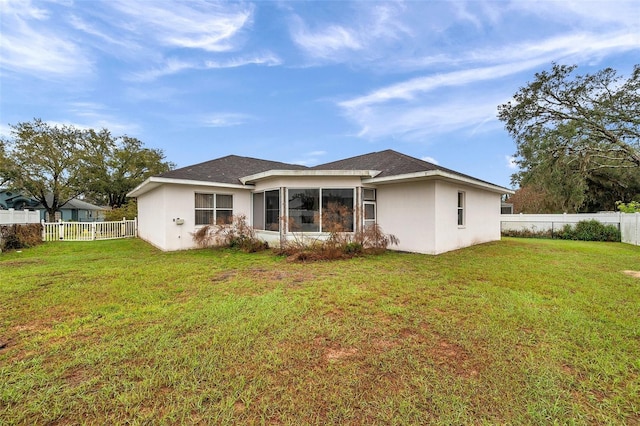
column 10, row 199
column 74, row 210
column 429, row 208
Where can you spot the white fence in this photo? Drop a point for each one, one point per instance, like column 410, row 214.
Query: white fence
column 630, row 228
column 627, row 223
column 11, row 216
column 89, row 231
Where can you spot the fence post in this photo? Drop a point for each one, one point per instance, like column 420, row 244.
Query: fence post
column 60, row 229
column 44, row 230
column 93, row 230
column 135, row 226
column 11, row 216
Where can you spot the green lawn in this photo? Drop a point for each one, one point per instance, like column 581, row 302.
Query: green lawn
column 518, row 331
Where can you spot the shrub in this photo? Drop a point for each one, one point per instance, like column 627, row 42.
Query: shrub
column 15, row 237
column 585, row 230
column 129, row 211
column 236, row 234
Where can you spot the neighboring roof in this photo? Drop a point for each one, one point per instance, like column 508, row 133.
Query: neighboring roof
column 73, row 204
column 229, row 169
column 377, row 167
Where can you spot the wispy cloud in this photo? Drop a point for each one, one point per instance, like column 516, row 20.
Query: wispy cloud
column 365, row 32
column 225, row 119
column 430, row 160
column 193, row 25
column 28, row 44
column 407, row 108
column 511, row 162
column 175, row 65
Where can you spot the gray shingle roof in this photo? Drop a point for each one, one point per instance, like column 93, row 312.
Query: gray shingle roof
column 228, row 169
column 388, row 162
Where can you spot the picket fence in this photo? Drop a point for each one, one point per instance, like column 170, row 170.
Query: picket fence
column 89, row 231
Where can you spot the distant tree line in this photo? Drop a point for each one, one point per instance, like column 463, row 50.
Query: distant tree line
column 57, row 163
column 578, row 141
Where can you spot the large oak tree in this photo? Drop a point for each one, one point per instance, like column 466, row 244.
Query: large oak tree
column 578, row 136
column 55, row 164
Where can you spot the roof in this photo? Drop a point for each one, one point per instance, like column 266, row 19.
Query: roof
column 377, row 167
column 229, row 169
column 72, row 204
column 389, row 163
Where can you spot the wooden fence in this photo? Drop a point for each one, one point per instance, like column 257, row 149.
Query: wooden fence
column 89, row 231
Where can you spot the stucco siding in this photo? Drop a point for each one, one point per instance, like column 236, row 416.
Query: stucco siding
column 308, row 182
column 151, row 213
column 481, row 217
column 160, row 210
column 407, row 211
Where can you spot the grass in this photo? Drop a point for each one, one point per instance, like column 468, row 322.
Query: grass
column 513, row 332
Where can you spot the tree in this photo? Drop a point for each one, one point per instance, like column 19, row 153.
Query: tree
column 55, row 164
column 116, row 165
column 578, row 137
column 45, row 162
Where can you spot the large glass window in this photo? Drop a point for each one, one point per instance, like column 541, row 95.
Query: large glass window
column 336, row 214
column 213, row 208
column 272, row 210
column 304, row 210
column 337, row 210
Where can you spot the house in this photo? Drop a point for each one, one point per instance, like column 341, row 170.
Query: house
column 429, row 208
column 73, row 210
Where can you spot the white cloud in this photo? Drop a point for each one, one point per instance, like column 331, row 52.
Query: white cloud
column 367, row 32
column 511, row 162
column 430, row 160
column 225, row 119
column 192, row 25
column 30, row 45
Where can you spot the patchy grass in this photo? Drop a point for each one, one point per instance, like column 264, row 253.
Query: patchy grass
column 519, row 331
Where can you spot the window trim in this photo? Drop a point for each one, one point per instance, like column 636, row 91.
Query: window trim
column 462, row 202
column 320, row 208
column 215, row 209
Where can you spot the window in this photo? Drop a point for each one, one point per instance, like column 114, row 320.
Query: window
column 369, row 206
column 304, row 210
column 336, row 215
column 461, row 208
column 337, row 210
column 272, row 210
column 266, row 210
column 213, row 208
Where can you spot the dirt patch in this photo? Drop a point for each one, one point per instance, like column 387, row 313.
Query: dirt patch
column 17, row 263
column 634, row 274
column 336, row 354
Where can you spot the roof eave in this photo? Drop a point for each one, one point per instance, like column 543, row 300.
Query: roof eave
column 156, row 181
column 438, row 174
column 303, row 173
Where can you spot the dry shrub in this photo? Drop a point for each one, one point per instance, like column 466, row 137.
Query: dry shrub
column 236, row 234
column 341, row 242
column 14, row 237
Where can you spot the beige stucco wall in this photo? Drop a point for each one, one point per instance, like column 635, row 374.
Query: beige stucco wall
column 158, row 210
column 308, row 182
column 407, row 211
column 424, row 216
column 482, row 217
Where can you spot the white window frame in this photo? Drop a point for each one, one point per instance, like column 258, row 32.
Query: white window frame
column 215, row 209
column 462, row 201
column 320, row 190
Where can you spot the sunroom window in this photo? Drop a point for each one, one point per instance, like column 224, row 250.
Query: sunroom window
column 336, row 215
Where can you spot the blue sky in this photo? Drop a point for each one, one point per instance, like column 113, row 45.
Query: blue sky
column 301, row 82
